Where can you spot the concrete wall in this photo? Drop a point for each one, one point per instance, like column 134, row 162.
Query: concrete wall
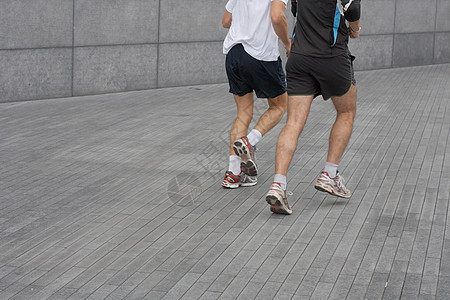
column 401, row 33
column 60, row 48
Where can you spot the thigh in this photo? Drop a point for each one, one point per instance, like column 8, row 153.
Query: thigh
column 347, row 102
column 278, row 102
column 298, row 110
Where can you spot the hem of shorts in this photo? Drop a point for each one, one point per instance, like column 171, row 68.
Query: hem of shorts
column 297, row 94
column 315, row 95
column 271, row 97
column 240, row 94
column 352, row 82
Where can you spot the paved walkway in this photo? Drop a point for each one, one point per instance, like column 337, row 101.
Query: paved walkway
column 118, row 197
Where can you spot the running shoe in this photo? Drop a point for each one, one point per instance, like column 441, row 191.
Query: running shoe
column 277, row 199
column 334, row 186
column 231, row 181
column 247, row 180
column 246, row 151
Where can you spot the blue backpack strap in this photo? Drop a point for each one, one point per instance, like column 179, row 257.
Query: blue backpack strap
column 336, row 23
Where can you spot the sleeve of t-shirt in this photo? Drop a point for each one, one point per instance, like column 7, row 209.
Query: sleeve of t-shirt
column 230, row 5
column 353, row 12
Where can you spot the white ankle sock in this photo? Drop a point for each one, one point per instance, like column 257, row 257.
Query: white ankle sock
column 234, row 164
column 331, row 169
column 281, row 179
column 254, row 137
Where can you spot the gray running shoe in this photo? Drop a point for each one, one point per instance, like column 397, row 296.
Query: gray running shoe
column 246, row 151
column 247, row 180
column 334, row 186
column 277, row 199
column 231, row 181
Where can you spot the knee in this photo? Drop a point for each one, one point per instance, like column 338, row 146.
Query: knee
column 347, row 117
column 283, row 107
column 346, row 105
column 279, row 103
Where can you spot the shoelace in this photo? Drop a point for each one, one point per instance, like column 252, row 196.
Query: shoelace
column 288, row 193
column 231, row 179
column 340, row 182
column 253, row 152
column 245, row 176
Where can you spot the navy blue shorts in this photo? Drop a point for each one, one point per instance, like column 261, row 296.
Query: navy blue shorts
column 247, row 74
column 331, row 76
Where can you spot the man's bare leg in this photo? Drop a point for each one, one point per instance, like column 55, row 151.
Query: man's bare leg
column 272, row 116
column 330, row 180
column 244, row 105
column 342, row 128
column 244, row 145
column 298, row 111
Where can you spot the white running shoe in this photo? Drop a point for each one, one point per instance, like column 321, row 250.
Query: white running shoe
column 277, row 199
column 231, row 181
column 334, row 186
column 247, row 180
column 246, row 152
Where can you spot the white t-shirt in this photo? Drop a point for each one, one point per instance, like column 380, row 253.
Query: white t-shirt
column 252, row 27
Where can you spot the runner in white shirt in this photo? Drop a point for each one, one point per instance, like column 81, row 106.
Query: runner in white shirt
column 253, row 65
column 253, row 29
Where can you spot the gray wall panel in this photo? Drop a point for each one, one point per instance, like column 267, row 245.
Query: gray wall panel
column 106, row 22
column 443, row 15
column 191, row 63
column 114, row 68
column 185, row 21
column 35, row 73
column 415, row 16
column 123, row 45
column 35, row 23
column 442, row 48
column 379, row 47
column 413, row 49
column 373, row 22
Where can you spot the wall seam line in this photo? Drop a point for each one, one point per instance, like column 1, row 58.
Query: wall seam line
column 158, row 45
column 393, row 35
column 73, row 47
column 433, row 58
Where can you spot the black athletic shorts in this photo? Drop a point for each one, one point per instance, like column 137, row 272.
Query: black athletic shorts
column 247, row 74
column 329, row 77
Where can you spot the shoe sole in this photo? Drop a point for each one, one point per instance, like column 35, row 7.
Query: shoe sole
column 331, row 192
column 231, row 185
column 276, row 206
column 248, row 166
column 247, row 184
